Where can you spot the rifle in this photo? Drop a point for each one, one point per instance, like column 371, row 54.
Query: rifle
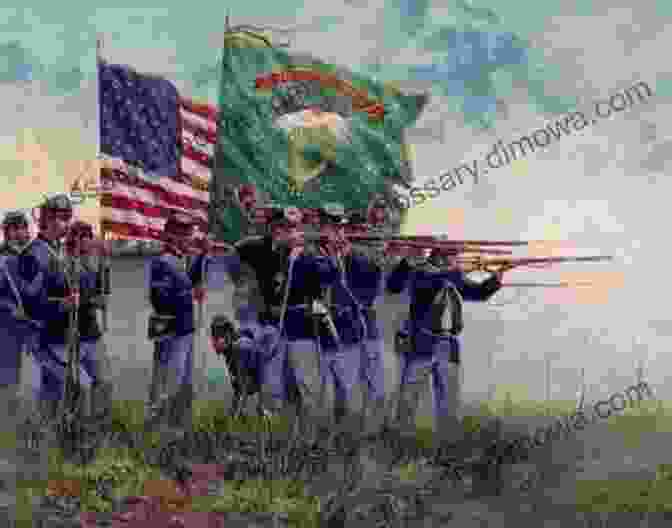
column 440, row 240
column 478, row 263
column 303, row 216
column 72, row 391
column 104, row 287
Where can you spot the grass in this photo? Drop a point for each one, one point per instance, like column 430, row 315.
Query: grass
column 208, row 415
column 597, row 496
column 129, row 472
column 131, row 475
column 641, row 496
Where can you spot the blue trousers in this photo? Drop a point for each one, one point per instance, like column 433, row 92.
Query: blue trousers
column 300, row 362
column 52, row 359
column 343, row 367
column 373, row 368
column 173, row 359
column 431, row 358
column 172, row 378
column 14, row 337
column 272, row 366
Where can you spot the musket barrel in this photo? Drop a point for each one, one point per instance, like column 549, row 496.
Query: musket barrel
column 438, row 240
column 549, row 260
column 545, row 284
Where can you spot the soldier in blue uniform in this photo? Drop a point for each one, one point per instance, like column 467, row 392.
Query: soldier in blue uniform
column 17, row 332
column 50, row 298
column 291, row 278
column 348, row 297
column 173, row 287
column 240, row 349
column 93, row 355
column 366, row 278
column 428, row 342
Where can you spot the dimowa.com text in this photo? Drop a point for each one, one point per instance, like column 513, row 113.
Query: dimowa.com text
column 502, row 155
column 602, row 409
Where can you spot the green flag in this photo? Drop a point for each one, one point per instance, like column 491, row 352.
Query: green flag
column 305, row 132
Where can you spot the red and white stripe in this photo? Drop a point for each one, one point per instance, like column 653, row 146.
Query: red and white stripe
column 137, row 205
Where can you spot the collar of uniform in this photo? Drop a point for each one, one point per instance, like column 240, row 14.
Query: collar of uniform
column 8, row 249
column 53, row 244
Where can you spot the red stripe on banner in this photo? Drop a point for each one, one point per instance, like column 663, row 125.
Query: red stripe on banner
column 124, row 203
column 209, row 135
column 205, row 110
column 196, row 155
column 171, row 198
column 148, row 210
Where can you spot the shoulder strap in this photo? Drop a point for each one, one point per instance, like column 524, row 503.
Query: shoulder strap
column 449, row 298
column 12, row 285
column 57, row 264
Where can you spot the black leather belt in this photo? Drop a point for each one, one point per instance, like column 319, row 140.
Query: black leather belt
column 268, row 318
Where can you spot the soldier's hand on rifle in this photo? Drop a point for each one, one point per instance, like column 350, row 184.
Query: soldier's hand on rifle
column 71, row 301
column 296, row 251
column 502, row 268
column 336, row 242
column 199, row 294
column 295, row 238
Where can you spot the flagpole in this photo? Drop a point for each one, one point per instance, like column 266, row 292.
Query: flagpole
column 105, row 268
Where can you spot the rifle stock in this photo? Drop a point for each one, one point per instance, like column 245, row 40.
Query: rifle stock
column 72, row 389
column 480, row 263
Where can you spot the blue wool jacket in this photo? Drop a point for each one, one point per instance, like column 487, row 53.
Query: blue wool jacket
column 89, row 287
column 310, row 276
column 7, row 297
column 8, row 300
column 364, row 279
column 423, row 286
column 42, row 277
column 170, row 289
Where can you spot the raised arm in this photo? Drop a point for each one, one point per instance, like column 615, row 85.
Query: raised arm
column 327, row 270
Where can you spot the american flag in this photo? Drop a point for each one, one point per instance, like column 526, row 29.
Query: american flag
column 157, row 150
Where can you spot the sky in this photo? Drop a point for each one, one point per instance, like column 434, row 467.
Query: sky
column 494, row 73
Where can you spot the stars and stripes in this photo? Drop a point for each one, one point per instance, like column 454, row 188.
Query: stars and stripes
column 157, row 151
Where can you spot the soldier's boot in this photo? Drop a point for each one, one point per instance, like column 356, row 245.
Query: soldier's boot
column 101, row 401
column 375, row 416
column 340, row 412
column 48, row 410
column 181, row 408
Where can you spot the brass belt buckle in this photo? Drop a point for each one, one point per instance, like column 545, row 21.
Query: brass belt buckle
column 21, row 315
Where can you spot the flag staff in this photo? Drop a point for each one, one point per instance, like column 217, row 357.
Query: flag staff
column 105, row 264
